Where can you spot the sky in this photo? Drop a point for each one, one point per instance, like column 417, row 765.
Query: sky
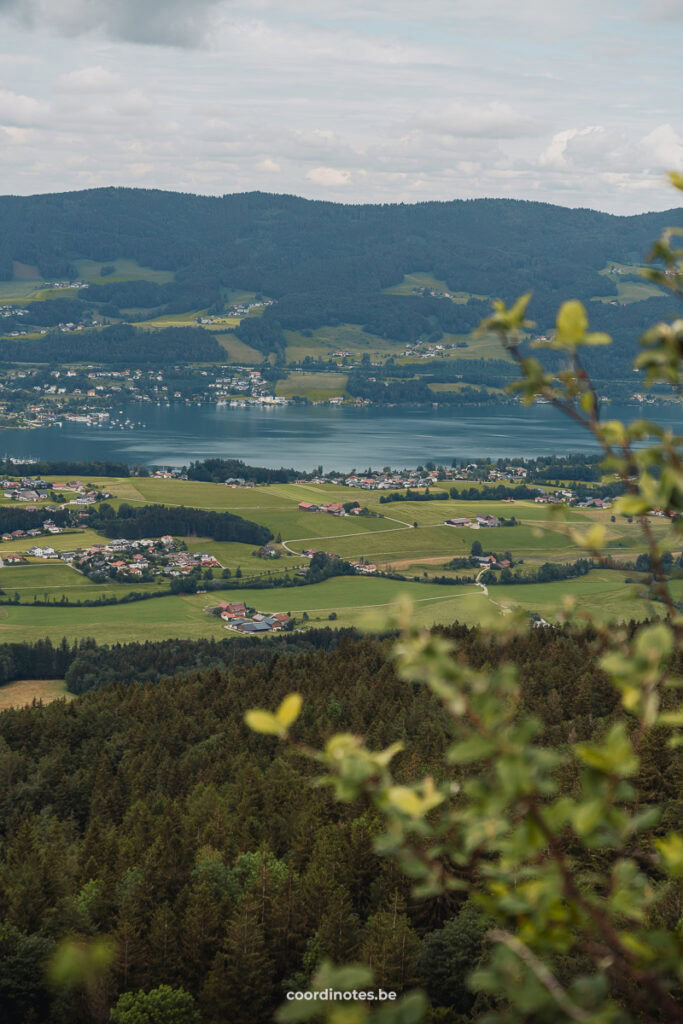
column 576, row 103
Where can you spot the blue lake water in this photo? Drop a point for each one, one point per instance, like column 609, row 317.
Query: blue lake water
column 336, row 438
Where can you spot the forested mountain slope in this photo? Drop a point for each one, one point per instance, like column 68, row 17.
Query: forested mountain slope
column 324, row 264
column 282, row 244
column 151, row 814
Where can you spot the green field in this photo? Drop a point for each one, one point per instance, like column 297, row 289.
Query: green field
column 629, row 290
column 67, row 541
column 349, row 338
column 317, row 387
column 388, row 539
column 362, row 602
column 171, row 320
column 24, row 691
column 237, row 350
column 354, row 600
column 124, row 270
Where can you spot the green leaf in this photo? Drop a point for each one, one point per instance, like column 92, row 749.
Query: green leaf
column 615, row 756
column 671, row 851
column 408, row 1010
column 572, row 321
column 264, row 722
column 631, row 505
column 654, row 643
column 289, row 710
column 476, row 748
column 405, row 799
column 587, row 815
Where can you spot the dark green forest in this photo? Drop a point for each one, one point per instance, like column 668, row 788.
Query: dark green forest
column 150, row 813
column 120, row 344
column 274, row 243
column 134, row 523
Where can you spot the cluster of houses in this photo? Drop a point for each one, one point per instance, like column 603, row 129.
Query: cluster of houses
column 365, row 568
column 335, row 508
column 32, row 489
column 267, row 551
column 182, row 563
column 47, row 527
column 565, row 496
column 242, row 619
column 12, row 311
column 241, row 309
column 474, row 522
column 126, row 558
column 491, row 562
column 512, row 473
column 26, row 489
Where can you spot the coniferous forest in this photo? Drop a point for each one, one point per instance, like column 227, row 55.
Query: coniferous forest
column 148, row 812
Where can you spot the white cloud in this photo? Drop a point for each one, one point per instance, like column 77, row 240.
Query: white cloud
column 329, row 177
column 134, row 103
column 21, row 111
column 270, row 165
column 89, row 80
column 495, row 120
column 556, row 153
column 665, row 147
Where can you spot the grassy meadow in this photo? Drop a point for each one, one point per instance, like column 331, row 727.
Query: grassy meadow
column 389, row 539
column 24, row 691
column 317, row 387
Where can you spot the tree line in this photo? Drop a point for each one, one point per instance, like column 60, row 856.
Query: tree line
column 137, row 522
column 118, row 344
column 217, row 471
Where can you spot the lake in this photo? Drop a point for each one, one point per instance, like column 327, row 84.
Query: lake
column 336, row 438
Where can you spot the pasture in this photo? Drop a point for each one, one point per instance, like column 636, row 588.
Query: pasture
column 317, row 387
column 354, row 601
column 324, row 341
column 388, row 539
column 124, row 270
column 237, row 350
column 23, row 692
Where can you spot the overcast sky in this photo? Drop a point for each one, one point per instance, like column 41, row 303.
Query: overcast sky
column 576, row 102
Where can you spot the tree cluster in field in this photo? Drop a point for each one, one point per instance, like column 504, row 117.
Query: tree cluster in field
column 217, row 471
column 137, row 522
column 14, row 517
column 86, row 665
column 494, row 492
column 549, row 572
column 58, row 467
column 410, row 495
column 361, row 384
column 120, row 344
column 150, row 814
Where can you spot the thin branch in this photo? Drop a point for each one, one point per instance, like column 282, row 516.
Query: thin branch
column 537, row 967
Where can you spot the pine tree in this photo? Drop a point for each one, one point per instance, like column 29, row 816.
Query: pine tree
column 239, row 986
column 339, row 932
column 390, row 947
column 201, row 930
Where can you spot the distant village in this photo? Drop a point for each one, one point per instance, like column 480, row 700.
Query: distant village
column 123, row 560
